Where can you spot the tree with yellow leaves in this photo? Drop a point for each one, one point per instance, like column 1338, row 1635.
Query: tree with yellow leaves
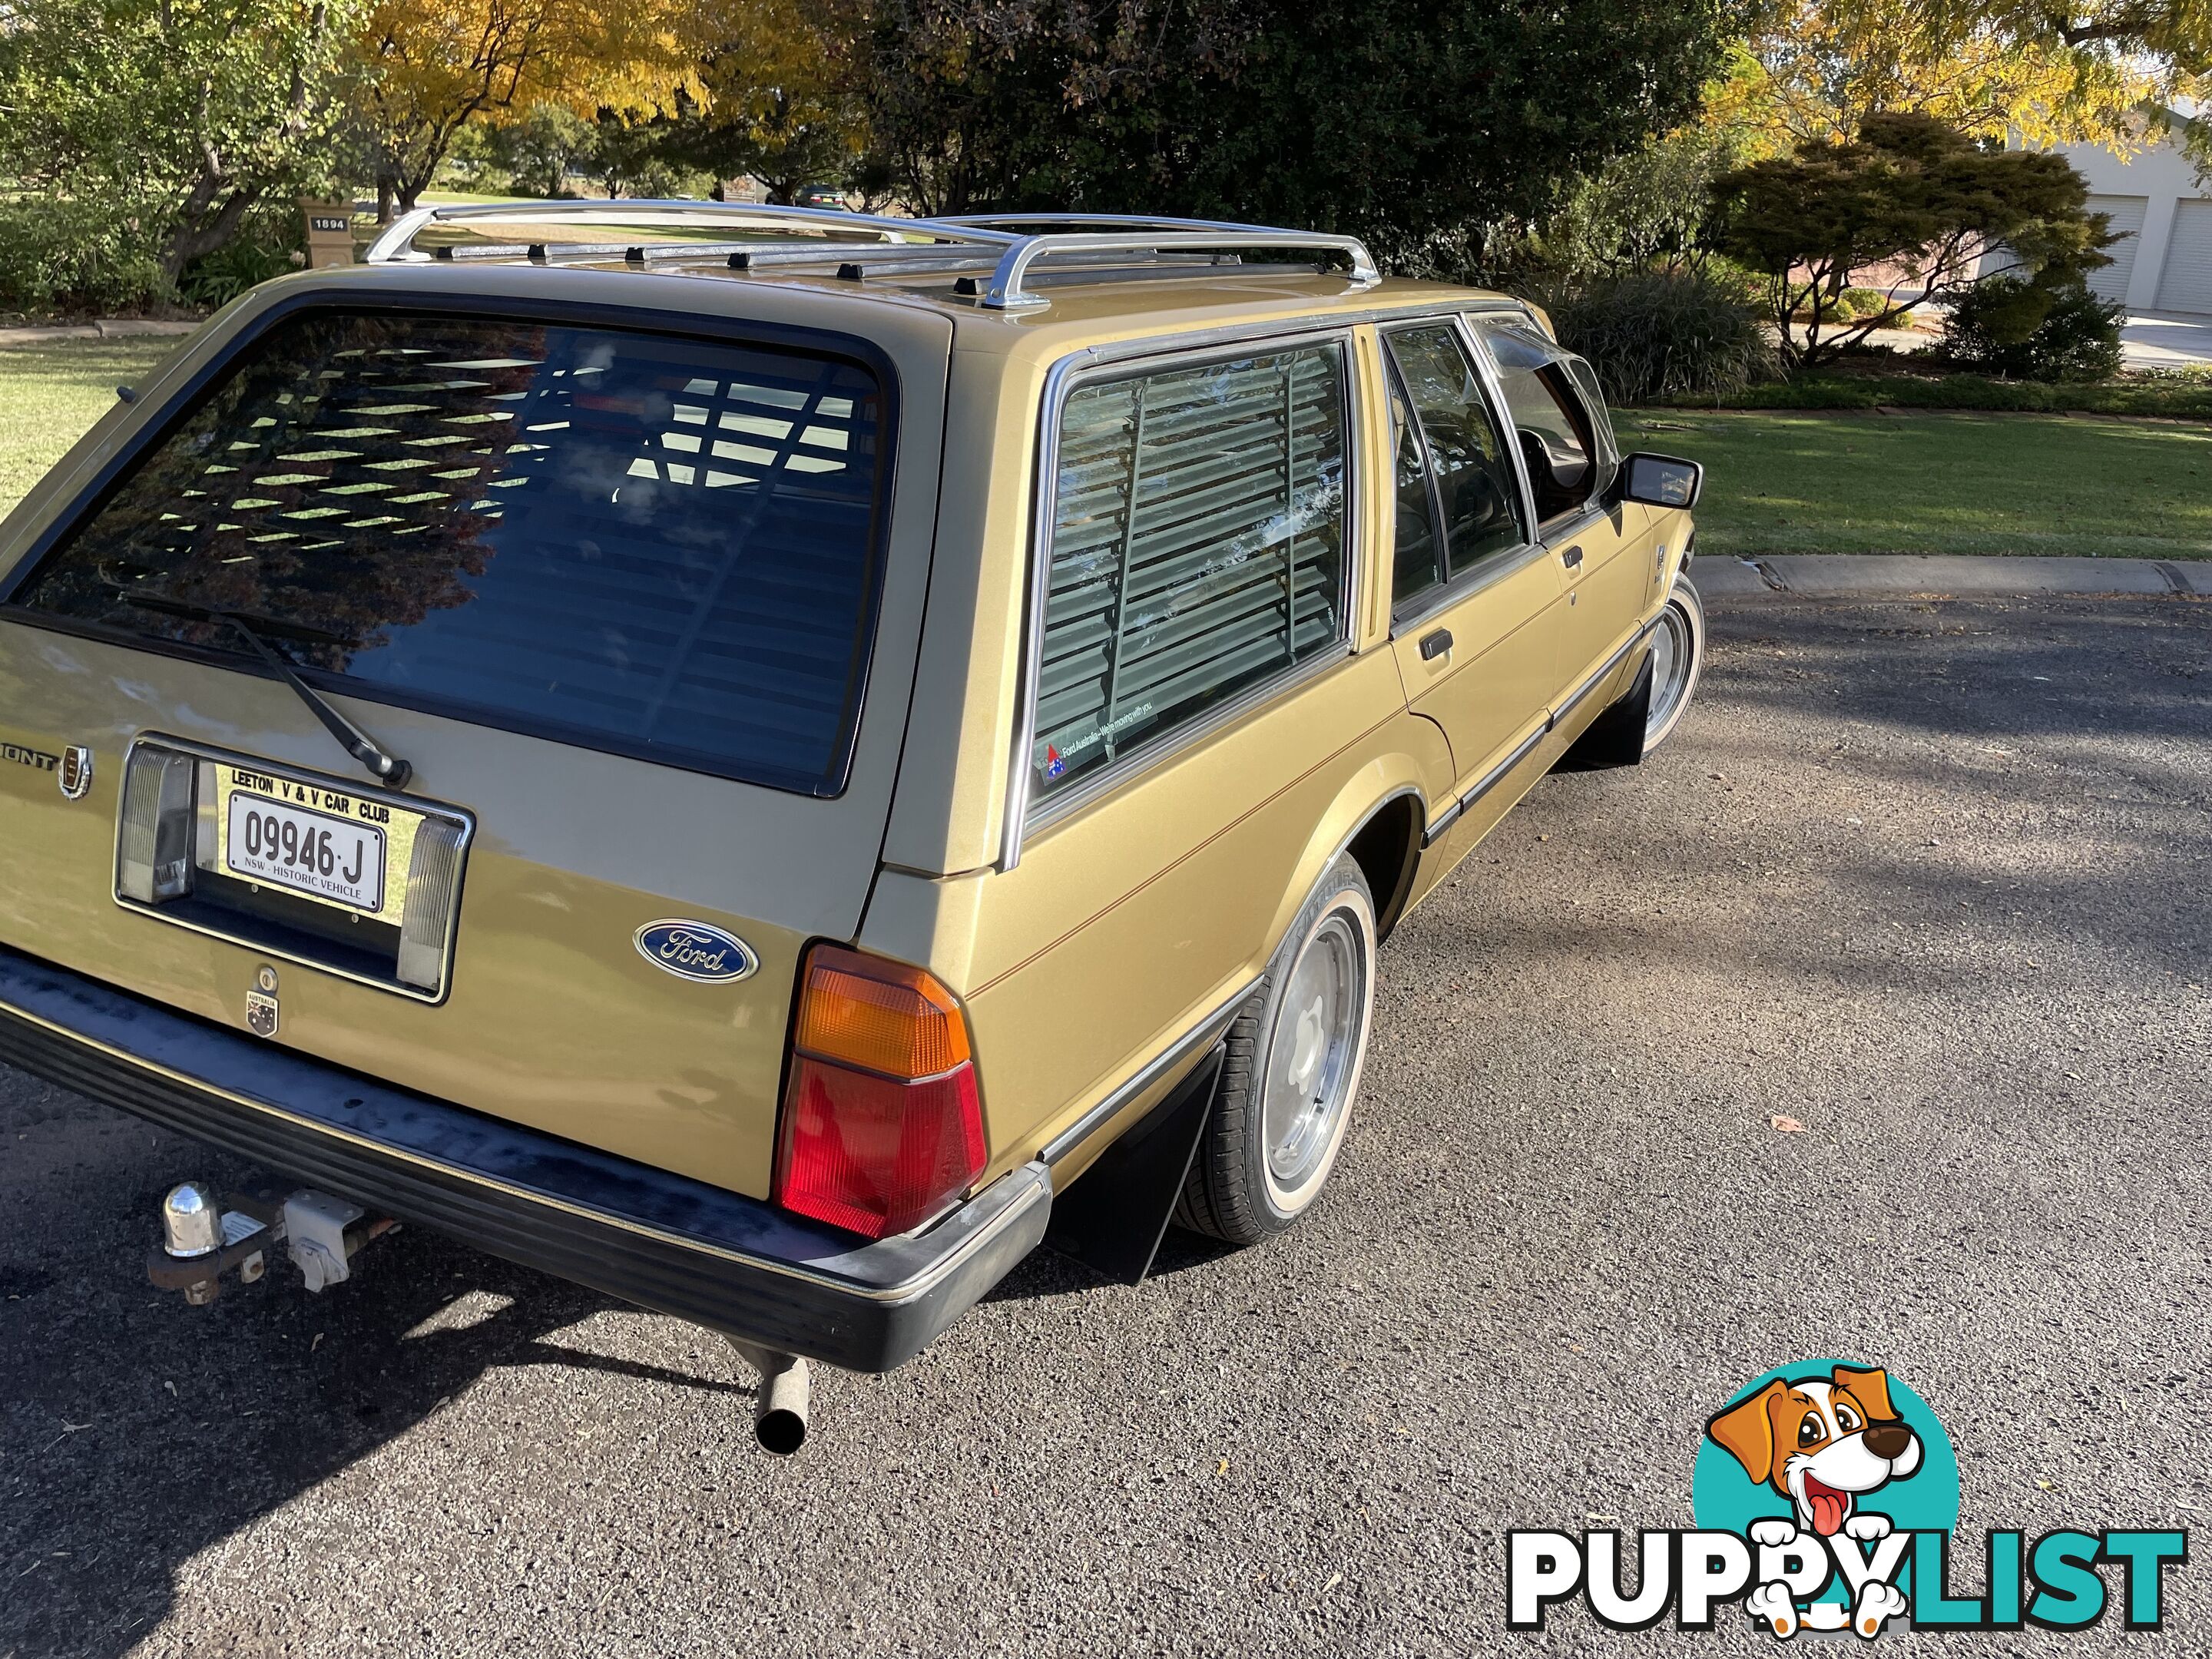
column 429, row 67
column 1813, row 70
column 776, row 93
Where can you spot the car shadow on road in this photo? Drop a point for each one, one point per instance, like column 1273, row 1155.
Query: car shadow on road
column 136, row 1431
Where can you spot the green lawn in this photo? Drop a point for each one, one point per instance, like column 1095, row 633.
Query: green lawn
column 50, row 394
column 1941, row 481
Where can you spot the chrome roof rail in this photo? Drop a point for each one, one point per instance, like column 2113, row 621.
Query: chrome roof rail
column 397, row 245
column 1006, row 292
column 1013, row 243
column 1029, row 223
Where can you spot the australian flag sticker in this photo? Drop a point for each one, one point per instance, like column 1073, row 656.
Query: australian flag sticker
column 1055, row 763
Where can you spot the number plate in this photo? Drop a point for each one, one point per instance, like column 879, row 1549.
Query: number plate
column 323, row 844
column 314, row 853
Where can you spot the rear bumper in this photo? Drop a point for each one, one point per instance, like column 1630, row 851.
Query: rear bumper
column 662, row 1241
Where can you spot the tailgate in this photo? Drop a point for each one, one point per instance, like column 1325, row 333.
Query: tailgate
column 638, row 610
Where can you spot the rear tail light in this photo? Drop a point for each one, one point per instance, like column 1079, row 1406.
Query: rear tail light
column 882, row 1127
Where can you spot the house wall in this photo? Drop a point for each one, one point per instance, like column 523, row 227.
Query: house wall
column 2165, row 177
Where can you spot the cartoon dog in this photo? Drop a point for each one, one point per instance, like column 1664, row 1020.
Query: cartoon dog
column 1822, row 1443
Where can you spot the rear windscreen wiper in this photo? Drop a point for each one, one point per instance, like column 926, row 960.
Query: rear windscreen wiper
column 386, row 768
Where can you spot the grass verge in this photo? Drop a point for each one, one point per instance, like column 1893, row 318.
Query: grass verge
column 50, row 394
column 1941, row 483
column 2180, row 396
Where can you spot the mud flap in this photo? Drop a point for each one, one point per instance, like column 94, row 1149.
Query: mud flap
column 1113, row 1218
column 1616, row 737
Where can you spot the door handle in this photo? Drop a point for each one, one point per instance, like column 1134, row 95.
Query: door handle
column 1435, row 645
column 1571, row 557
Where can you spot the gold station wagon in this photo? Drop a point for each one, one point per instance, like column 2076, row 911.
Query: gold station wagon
column 769, row 762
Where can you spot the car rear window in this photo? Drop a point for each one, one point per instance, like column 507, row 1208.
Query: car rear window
column 657, row 545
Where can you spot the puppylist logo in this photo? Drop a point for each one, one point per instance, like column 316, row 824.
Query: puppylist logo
column 1827, row 1495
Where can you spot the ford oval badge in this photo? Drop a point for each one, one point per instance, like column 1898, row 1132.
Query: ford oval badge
column 696, row 951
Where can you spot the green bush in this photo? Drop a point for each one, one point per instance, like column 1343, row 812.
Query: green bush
column 1853, row 304
column 58, row 255
column 271, row 242
column 2025, row 330
column 1658, row 334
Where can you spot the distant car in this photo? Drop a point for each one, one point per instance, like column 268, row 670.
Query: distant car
column 821, row 196
column 861, row 751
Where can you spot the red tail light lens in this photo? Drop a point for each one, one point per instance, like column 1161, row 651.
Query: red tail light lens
column 882, row 1127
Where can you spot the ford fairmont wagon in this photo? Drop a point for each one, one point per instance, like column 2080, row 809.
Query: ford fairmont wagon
column 770, row 762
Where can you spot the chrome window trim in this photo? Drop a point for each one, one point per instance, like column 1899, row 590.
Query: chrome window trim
column 1069, row 372
column 1397, row 393
column 1196, row 339
column 1494, row 387
column 1567, row 528
column 1147, row 755
column 1496, row 568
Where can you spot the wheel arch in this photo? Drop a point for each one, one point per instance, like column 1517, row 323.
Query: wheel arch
column 1378, row 817
column 1388, row 847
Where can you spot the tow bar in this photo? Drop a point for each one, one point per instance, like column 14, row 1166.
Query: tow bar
column 202, row 1239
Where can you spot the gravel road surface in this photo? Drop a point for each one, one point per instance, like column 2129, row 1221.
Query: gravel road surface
column 1934, row 881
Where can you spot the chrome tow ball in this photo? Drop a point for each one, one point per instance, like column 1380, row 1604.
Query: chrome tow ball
column 202, row 1239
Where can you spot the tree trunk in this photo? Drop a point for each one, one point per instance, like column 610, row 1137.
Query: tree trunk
column 197, row 239
column 383, row 199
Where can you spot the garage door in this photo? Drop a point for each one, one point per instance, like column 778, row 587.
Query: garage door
column 2127, row 216
column 2186, row 283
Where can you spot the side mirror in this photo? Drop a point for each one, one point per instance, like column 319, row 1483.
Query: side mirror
column 1661, row 481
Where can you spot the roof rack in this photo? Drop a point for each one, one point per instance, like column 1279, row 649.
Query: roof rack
column 1007, row 244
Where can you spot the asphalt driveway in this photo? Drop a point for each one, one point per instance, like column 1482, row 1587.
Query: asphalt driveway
column 1934, row 881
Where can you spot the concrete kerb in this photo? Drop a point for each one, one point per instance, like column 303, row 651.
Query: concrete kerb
column 1879, row 575
column 107, row 328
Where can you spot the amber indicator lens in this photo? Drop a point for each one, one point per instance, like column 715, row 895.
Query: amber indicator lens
column 884, row 1016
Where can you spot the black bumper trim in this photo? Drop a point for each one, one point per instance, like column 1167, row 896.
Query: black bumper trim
column 663, row 1241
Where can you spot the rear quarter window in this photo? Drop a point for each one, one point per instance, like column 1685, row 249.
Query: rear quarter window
column 661, row 546
column 1198, row 549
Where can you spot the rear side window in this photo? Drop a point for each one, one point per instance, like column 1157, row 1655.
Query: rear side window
column 1197, row 549
column 660, row 546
